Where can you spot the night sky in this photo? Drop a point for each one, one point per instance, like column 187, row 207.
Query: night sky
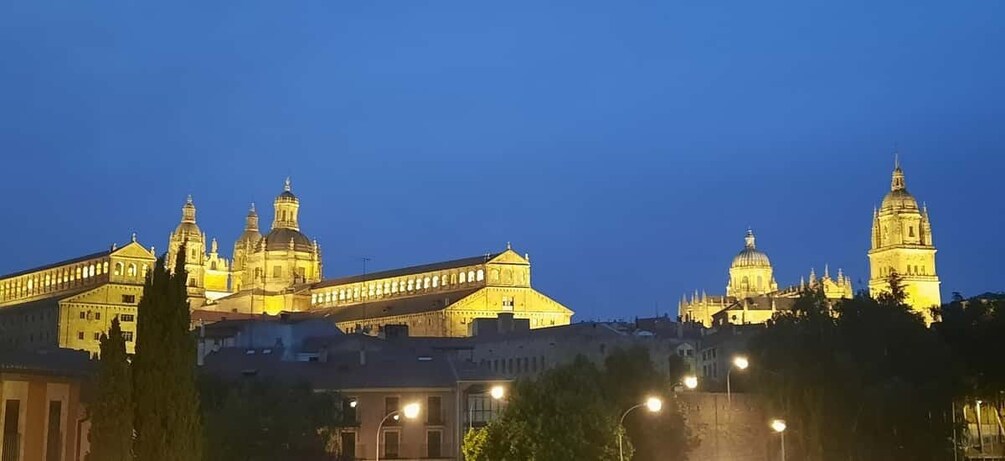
column 625, row 145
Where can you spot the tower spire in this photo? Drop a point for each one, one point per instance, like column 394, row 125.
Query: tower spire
column 897, row 183
column 749, row 239
column 287, row 187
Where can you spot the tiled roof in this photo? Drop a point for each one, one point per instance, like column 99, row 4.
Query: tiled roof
column 61, row 362
column 396, row 306
column 58, row 264
column 408, row 270
column 386, row 368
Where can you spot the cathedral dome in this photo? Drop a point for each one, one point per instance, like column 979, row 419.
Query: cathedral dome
column 750, row 256
column 279, row 239
column 251, row 235
column 898, row 199
column 187, row 229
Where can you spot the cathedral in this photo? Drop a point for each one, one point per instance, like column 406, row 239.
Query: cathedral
column 281, row 272
column 901, row 243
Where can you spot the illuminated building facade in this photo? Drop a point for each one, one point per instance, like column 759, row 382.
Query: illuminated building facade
column 282, row 272
column 902, row 243
column 752, row 294
column 69, row 304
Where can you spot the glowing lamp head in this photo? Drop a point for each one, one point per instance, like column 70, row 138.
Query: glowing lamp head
column 352, row 403
column 497, row 392
column 654, row 404
column 411, row 410
column 778, row 425
column 691, row 381
column 741, row 362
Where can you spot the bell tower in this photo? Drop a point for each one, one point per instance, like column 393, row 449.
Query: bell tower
column 902, row 243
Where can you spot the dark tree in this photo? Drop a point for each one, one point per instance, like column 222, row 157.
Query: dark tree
column 166, row 410
column 259, row 420
column 111, row 434
column 866, row 381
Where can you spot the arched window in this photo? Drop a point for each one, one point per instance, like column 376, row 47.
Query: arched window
column 481, row 275
column 118, row 268
column 910, row 230
column 462, row 278
column 436, row 281
column 425, row 283
column 341, row 295
column 411, row 284
column 146, row 269
column 380, row 289
column 132, row 270
column 355, row 292
column 314, row 298
column 387, row 288
column 90, row 269
column 370, row 289
column 104, row 269
column 471, row 276
column 394, row 286
column 78, row 272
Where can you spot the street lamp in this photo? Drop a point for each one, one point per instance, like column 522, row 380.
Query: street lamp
column 778, row 425
column 741, row 363
column 653, row 404
column 690, row 381
column 411, row 411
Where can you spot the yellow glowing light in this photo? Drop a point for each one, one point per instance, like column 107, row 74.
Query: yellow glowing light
column 778, row 425
column 412, row 410
column 691, row 382
column 741, row 362
column 654, row 404
column 497, row 392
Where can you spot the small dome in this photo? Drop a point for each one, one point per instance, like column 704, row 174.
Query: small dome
column 287, row 194
column 899, row 200
column 279, row 239
column 189, row 230
column 750, row 256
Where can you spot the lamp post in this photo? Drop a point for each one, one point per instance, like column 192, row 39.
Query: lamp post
column 653, row 404
column 778, row 425
column 741, row 363
column 497, row 392
column 411, row 411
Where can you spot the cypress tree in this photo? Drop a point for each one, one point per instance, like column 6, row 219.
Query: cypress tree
column 111, row 433
column 166, row 414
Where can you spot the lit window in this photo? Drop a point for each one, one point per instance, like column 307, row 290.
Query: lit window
column 481, row 275
column 462, row 278
column 471, row 276
column 394, row 286
column 314, row 298
column 425, row 283
column 370, row 289
column 387, row 287
column 341, row 295
column 436, row 281
column 132, row 270
column 90, row 269
column 105, row 267
column 127, row 336
column 411, row 284
column 380, row 289
column 78, row 273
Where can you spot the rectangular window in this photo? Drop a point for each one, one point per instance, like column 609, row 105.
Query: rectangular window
column 434, row 444
column 11, row 438
column 97, row 336
column 83, row 315
column 277, row 271
column 349, row 408
column 128, row 336
column 390, row 405
column 97, row 316
column 434, row 411
column 348, row 445
column 391, row 444
column 80, row 335
column 54, row 435
column 128, row 299
column 127, row 318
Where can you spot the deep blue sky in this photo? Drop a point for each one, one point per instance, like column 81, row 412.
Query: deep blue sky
column 625, row 145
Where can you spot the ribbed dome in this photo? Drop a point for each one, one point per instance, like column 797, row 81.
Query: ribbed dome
column 279, row 239
column 751, row 256
column 899, row 200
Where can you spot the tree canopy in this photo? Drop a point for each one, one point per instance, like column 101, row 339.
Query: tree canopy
column 111, row 411
column 871, row 382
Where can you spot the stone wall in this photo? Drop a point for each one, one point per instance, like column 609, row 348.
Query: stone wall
column 736, row 432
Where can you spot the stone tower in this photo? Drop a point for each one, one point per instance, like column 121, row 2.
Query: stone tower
column 902, row 243
column 188, row 234
column 243, row 248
